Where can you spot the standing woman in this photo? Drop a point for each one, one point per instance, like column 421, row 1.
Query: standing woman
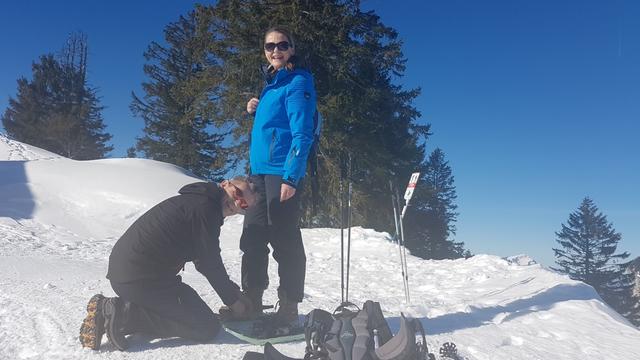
column 281, row 139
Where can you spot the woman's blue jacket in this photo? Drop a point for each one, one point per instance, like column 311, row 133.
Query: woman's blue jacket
column 282, row 132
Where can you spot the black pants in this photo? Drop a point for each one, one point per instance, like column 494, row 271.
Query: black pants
column 167, row 308
column 276, row 223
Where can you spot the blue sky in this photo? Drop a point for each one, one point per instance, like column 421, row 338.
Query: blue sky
column 536, row 104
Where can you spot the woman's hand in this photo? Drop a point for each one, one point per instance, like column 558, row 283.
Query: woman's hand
column 286, row 192
column 252, row 105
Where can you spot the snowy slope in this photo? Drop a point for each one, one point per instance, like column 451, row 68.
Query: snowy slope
column 59, row 219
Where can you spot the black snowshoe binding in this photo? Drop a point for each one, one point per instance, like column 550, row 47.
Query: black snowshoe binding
column 269, row 326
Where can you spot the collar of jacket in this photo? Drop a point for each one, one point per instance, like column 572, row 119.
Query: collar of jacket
column 208, row 189
column 273, row 78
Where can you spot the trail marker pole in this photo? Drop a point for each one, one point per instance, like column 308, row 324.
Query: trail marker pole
column 408, row 194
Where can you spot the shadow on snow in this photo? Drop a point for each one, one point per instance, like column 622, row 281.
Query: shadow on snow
column 16, row 200
column 477, row 317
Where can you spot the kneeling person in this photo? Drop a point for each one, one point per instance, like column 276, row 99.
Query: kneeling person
column 145, row 261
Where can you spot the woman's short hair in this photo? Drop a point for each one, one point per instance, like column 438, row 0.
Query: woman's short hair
column 282, row 30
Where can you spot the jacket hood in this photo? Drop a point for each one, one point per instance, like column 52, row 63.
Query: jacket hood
column 208, row 189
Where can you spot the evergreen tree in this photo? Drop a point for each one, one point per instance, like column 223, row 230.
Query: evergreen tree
column 131, row 152
column 630, row 306
column 588, row 244
column 57, row 110
column 355, row 60
column 183, row 123
column 431, row 223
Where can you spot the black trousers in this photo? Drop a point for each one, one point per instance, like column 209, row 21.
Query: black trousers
column 276, row 223
column 167, row 308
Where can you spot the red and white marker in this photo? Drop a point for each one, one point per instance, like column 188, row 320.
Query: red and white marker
column 413, row 181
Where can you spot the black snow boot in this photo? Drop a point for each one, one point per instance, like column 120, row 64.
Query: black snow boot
column 115, row 319
column 256, row 300
column 287, row 313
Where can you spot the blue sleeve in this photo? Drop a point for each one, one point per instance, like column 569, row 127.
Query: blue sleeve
column 300, row 104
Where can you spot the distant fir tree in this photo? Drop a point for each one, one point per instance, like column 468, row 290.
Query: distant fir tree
column 587, row 252
column 431, row 222
column 631, row 302
column 183, row 121
column 131, row 152
column 57, row 110
column 356, row 61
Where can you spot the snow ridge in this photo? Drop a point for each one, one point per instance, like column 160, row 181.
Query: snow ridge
column 12, row 150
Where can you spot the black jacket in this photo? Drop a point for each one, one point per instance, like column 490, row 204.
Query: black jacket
column 180, row 229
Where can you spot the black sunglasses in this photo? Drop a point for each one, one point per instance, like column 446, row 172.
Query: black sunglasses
column 238, row 195
column 282, row 46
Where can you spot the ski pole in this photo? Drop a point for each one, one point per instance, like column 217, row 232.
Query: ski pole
column 341, row 229
column 397, row 235
column 349, row 225
column 403, row 252
column 395, row 211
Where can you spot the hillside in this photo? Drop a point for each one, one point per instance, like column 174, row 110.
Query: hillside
column 59, row 219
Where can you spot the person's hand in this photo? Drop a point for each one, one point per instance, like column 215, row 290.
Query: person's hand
column 286, row 192
column 242, row 309
column 252, row 105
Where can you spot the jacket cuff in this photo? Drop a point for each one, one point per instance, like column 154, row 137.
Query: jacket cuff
column 289, row 181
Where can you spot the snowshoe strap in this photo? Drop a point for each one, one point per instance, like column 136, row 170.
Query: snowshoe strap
column 402, row 346
column 316, row 325
column 377, row 322
column 345, row 309
column 422, row 348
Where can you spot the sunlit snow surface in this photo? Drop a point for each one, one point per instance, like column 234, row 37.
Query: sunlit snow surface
column 59, row 219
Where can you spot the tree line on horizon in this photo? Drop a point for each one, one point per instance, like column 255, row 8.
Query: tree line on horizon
column 193, row 100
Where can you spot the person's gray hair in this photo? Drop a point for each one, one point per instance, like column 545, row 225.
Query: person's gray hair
column 247, row 180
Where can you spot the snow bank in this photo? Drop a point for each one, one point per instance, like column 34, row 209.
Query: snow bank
column 59, row 219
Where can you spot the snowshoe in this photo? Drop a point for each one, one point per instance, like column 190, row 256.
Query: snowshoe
column 265, row 329
column 92, row 327
column 449, row 350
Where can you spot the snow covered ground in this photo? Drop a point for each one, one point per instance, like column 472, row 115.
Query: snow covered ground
column 59, row 219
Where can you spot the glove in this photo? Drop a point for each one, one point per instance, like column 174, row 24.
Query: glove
column 242, row 309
